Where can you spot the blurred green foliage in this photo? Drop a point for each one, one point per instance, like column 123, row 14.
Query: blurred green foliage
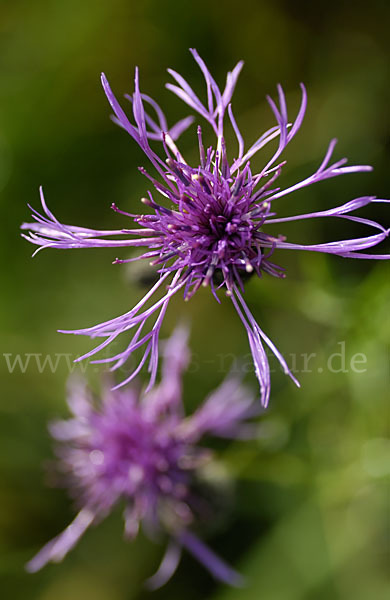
column 312, row 493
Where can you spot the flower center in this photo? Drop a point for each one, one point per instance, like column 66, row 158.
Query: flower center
column 212, row 230
column 130, row 457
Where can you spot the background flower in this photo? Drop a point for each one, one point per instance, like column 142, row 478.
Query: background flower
column 143, row 450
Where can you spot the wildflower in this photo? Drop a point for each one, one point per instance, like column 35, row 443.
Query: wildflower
column 212, row 230
column 144, row 451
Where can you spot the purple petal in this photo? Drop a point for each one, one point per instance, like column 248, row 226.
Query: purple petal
column 119, row 112
column 167, row 567
column 333, row 212
column 57, row 548
column 177, row 129
column 231, row 81
column 239, row 137
column 224, row 410
column 210, row 82
column 217, row 567
column 186, row 93
column 342, row 247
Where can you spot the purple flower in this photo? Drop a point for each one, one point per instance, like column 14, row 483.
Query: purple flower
column 144, row 451
column 211, row 229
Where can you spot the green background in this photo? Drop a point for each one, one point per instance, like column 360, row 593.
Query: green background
column 311, row 512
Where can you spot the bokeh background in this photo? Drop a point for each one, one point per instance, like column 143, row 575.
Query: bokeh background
column 311, row 513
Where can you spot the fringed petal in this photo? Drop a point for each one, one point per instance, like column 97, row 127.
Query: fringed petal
column 167, row 568
column 213, row 563
column 59, row 547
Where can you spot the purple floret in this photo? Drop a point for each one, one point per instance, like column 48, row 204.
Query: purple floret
column 211, row 228
column 141, row 449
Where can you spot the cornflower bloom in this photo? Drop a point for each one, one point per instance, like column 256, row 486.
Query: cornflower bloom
column 213, row 229
column 143, row 450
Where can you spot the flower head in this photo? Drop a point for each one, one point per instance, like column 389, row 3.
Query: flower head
column 211, row 227
column 144, row 451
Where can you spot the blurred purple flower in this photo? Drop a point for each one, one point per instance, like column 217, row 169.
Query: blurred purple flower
column 214, row 229
column 144, row 451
